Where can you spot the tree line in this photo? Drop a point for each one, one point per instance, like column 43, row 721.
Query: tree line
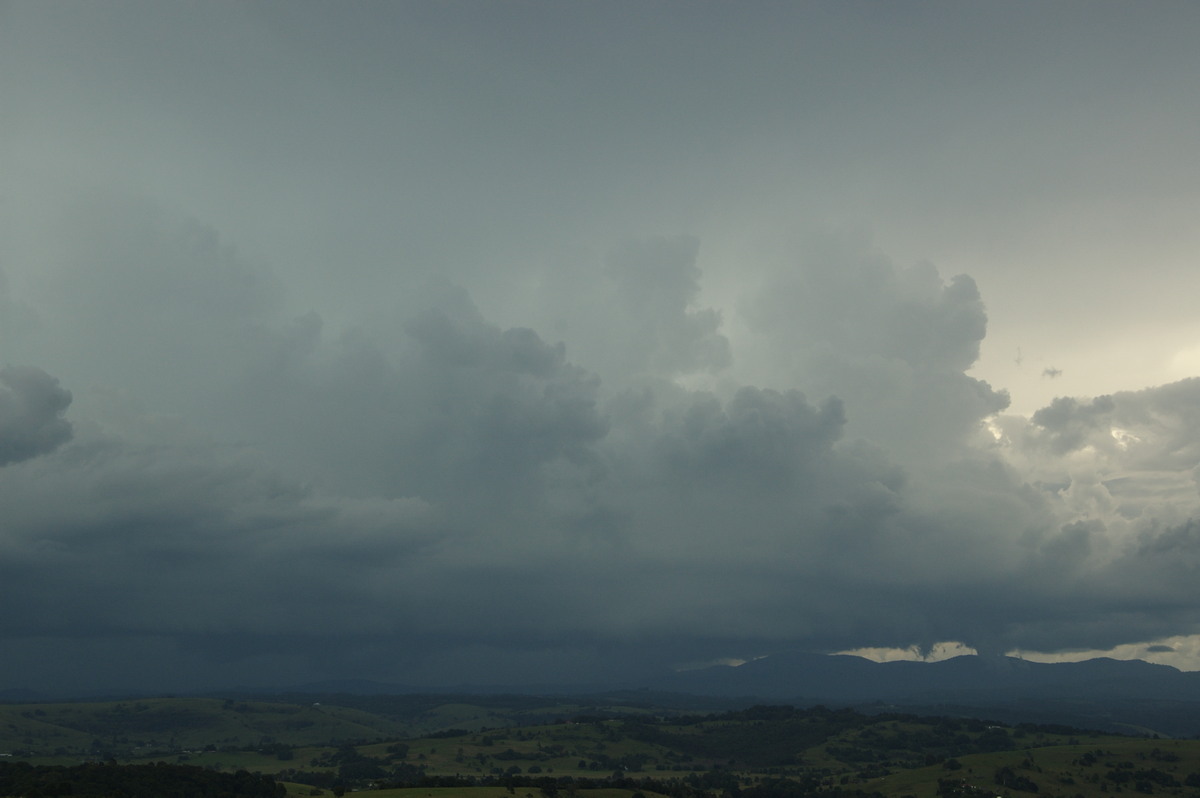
column 159, row 780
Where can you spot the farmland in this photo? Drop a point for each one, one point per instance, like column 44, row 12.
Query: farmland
column 609, row 751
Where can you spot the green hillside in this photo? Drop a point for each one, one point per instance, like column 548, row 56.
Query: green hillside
column 129, row 728
column 761, row 752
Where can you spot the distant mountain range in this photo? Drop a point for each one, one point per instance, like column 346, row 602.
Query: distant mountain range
column 1126, row 696
column 807, row 677
column 841, row 678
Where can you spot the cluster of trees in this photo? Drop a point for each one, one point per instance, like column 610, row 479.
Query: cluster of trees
column 724, row 783
column 961, row 788
column 355, row 768
column 133, row 781
column 1007, row 777
column 800, row 788
column 700, row 785
column 771, row 736
column 1141, row 779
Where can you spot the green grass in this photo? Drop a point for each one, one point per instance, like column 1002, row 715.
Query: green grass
column 883, row 755
column 305, row 791
column 176, row 724
column 1057, row 770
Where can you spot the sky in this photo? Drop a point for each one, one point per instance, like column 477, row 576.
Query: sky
column 448, row 343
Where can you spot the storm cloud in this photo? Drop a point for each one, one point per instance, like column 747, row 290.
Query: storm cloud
column 31, row 414
column 521, row 344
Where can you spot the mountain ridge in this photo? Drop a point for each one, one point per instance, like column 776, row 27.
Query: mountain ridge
column 806, row 676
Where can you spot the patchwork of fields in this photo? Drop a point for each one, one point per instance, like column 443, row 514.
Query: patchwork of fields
column 493, row 750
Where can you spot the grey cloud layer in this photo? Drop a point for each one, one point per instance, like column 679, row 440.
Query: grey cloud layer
column 438, row 484
column 31, row 414
column 388, row 339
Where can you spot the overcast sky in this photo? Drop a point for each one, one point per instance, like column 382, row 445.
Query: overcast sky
column 446, row 342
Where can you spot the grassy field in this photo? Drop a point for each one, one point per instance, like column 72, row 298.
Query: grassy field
column 305, row 791
column 180, row 724
column 763, row 752
column 1067, row 771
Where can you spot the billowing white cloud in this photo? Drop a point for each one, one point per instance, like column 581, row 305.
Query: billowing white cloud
column 895, row 342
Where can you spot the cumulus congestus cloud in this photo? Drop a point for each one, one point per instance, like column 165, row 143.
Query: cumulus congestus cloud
column 507, row 346
column 894, row 342
column 440, row 484
column 637, row 314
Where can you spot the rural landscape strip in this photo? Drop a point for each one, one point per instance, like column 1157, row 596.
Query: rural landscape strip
column 541, row 749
